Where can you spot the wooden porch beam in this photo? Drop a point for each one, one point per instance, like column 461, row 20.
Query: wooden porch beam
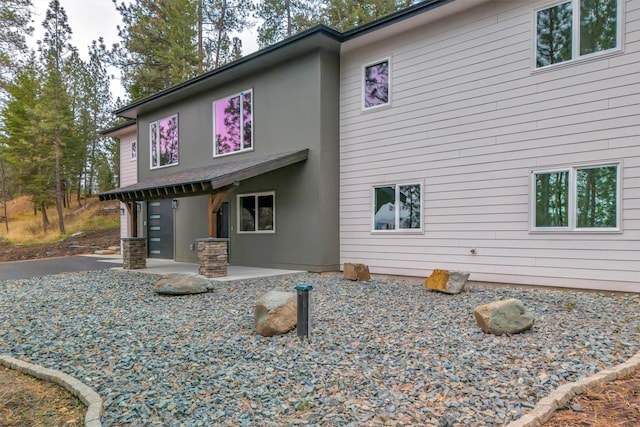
column 215, row 201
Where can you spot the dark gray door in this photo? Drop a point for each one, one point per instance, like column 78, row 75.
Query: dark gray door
column 160, row 229
column 223, row 221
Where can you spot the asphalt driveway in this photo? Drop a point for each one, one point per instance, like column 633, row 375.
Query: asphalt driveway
column 43, row 267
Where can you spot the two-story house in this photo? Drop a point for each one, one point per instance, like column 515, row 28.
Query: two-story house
column 247, row 152
column 496, row 137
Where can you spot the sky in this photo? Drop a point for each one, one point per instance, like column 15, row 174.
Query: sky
column 91, row 19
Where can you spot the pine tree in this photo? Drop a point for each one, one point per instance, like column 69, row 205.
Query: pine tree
column 55, row 103
column 345, row 15
column 15, row 19
column 159, row 45
column 220, row 19
column 284, row 18
column 25, row 148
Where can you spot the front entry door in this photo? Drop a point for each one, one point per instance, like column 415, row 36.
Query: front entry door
column 160, row 229
column 223, row 221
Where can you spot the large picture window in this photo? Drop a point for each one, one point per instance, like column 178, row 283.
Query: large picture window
column 375, row 88
column 577, row 198
column 397, row 207
column 232, row 124
column 163, row 135
column 576, row 28
column 256, row 213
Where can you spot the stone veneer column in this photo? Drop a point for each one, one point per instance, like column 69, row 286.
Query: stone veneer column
column 134, row 253
column 213, row 257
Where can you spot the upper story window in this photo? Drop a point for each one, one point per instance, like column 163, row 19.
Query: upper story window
column 573, row 29
column 397, row 207
column 163, row 135
column 232, row 124
column 376, row 80
column 577, row 198
column 134, row 150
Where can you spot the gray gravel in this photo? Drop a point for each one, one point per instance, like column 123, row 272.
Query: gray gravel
column 387, row 351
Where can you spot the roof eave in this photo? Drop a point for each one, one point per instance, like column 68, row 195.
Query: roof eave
column 319, row 35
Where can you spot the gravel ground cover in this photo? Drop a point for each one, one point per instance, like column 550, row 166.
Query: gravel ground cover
column 386, row 352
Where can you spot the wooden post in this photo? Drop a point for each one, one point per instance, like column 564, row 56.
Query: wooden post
column 215, row 201
column 132, row 208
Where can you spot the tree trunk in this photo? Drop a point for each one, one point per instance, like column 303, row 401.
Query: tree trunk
column 45, row 218
column 59, row 186
column 79, row 193
column 289, row 29
column 200, row 53
column 4, row 195
column 223, row 13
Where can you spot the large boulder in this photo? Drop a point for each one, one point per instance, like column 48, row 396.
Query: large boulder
column 356, row 272
column 182, row 284
column 503, row 317
column 449, row 282
column 276, row 313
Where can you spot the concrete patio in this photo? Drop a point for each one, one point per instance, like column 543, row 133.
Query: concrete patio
column 166, row 266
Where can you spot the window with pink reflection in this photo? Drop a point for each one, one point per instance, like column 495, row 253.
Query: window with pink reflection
column 232, row 124
column 164, row 142
column 376, row 80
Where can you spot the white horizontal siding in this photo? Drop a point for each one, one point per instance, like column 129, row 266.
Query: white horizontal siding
column 128, row 175
column 470, row 119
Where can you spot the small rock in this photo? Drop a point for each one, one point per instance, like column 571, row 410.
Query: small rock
column 182, row 284
column 356, row 272
column 503, row 317
column 449, row 282
column 276, row 313
column 576, row 408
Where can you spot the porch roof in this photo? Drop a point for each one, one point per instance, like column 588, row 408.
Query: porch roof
column 204, row 180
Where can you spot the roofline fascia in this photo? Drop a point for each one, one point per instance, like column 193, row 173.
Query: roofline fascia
column 320, row 28
column 118, row 127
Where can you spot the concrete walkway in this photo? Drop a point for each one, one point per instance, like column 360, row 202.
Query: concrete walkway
column 18, row 270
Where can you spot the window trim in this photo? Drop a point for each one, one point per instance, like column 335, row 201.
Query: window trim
column 573, row 196
column 151, row 147
column 362, row 84
column 213, row 115
column 239, row 213
column 397, row 230
column 575, row 36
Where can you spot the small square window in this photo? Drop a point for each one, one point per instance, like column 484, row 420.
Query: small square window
column 376, row 84
column 397, row 207
column 256, row 213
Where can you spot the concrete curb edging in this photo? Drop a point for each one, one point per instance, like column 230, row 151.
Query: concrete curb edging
column 83, row 392
column 545, row 408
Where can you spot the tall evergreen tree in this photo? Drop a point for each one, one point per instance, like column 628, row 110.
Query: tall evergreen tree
column 15, row 20
column 98, row 104
column 25, row 148
column 159, row 45
column 55, row 103
column 220, row 19
column 345, row 15
column 284, row 18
